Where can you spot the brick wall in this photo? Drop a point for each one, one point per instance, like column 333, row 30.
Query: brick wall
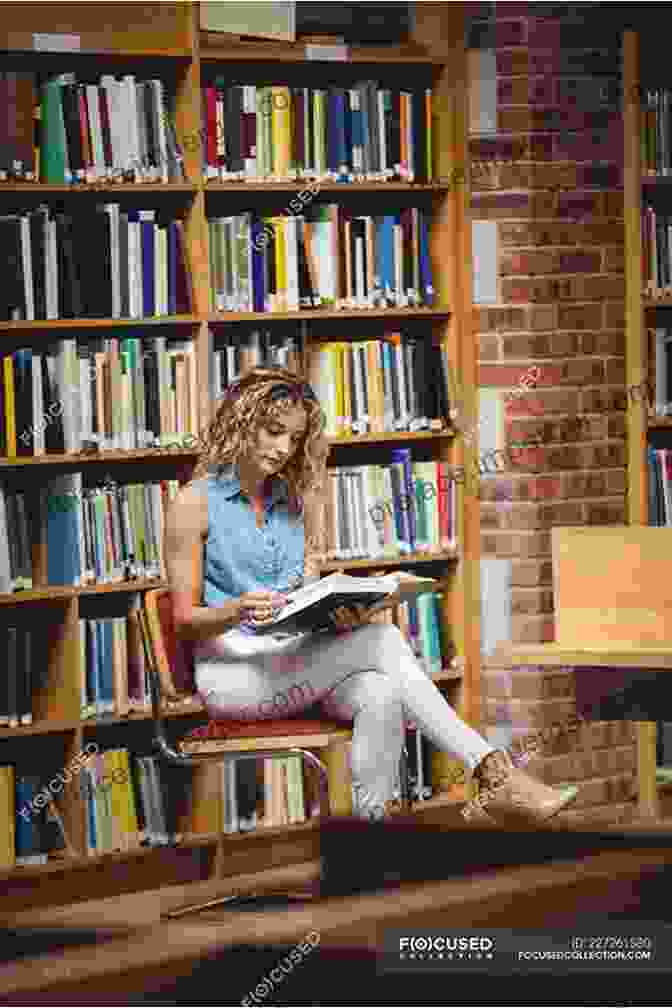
column 559, row 214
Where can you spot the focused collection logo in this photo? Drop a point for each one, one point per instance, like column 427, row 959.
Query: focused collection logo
column 464, row 947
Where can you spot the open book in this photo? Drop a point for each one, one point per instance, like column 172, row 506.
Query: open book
column 310, row 608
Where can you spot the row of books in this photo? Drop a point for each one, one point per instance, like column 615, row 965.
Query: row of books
column 398, row 383
column 324, row 256
column 655, row 136
column 238, row 348
column 662, row 348
column 387, row 510
column 277, row 132
column 27, row 839
column 656, row 252
column 660, row 486
column 64, row 131
column 109, row 263
column 106, row 393
column 93, row 535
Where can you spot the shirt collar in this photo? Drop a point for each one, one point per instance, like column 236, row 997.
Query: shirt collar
column 228, row 477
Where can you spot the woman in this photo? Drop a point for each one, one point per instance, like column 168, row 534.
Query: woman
column 261, row 471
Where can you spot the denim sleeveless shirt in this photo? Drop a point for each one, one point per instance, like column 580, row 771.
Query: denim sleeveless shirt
column 239, row 556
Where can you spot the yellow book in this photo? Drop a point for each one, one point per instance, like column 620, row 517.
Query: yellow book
column 282, row 133
column 130, row 813
column 113, row 788
column 347, row 389
column 339, row 352
column 280, row 263
column 10, row 413
column 7, row 818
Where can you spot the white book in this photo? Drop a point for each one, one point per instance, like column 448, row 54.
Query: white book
column 662, row 396
column 229, row 797
column 292, row 263
column 159, row 100
column 398, row 295
column 130, row 104
column 86, row 413
column 96, row 133
column 112, row 211
column 51, row 266
column 27, row 261
column 134, row 267
column 118, row 131
column 360, row 278
column 6, row 581
column 39, row 447
column 380, row 108
column 310, row 607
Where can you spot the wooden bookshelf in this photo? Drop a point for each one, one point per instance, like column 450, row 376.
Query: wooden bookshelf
column 132, row 38
column 638, row 420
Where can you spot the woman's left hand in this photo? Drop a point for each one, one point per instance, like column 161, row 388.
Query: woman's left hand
column 350, row 617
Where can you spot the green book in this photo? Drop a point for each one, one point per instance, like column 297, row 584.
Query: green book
column 54, row 166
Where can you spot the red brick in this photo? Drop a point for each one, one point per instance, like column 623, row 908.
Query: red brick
column 499, row 319
column 614, row 315
column 614, row 259
column 531, row 233
column 585, row 484
column 565, row 343
column 553, row 400
column 510, row 33
column 616, row 481
column 488, row 347
column 531, row 601
column 603, row 400
column 526, row 263
column 577, row 205
column 541, row 317
column 579, row 262
column 513, row 91
column 613, row 204
column 580, row 316
column 606, row 513
column 615, row 371
column 526, row 291
column 502, row 375
column 565, row 457
column 538, row 683
column 609, row 342
column 493, row 206
column 522, row 346
column 599, row 288
column 531, row 573
column 513, row 63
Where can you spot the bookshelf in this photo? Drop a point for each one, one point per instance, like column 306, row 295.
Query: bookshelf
column 163, row 40
column 641, row 313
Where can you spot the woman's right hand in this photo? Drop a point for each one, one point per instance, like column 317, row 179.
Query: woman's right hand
column 260, row 606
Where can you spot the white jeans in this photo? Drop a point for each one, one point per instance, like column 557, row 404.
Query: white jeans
column 369, row 676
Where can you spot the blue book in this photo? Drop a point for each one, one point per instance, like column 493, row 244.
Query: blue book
column 173, row 252
column 385, row 246
column 27, row 836
column 148, row 257
column 400, row 507
column 91, row 668
column 653, row 494
column 106, row 666
column 366, row 138
column 426, row 287
column 100, row 658
column 258, row 245
column 340, row 148
column 62, row 502
column 87, row 791
column 403, row 456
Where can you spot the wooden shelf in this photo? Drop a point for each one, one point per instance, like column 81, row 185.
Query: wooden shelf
column 360, row 439
column 42, row 189
column 664, row 301
column 57, row 593
column 95, row 323
column 212, row 51
column 336, row 187
column 407, row 558
column 132, row 717
column 39, row 728
column 659, row 423
column 99, row 458
column 330, row 313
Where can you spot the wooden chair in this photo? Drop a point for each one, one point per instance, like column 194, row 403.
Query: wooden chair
column 170, row 667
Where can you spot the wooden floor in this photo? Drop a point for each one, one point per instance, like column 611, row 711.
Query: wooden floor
column 143, row 950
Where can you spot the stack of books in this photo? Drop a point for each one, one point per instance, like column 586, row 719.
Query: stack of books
column 385, row 511
column 399, row 383
column 109, row 393
column 109, row 263
column 662, row 352
column 365, row 132
column 322, row 257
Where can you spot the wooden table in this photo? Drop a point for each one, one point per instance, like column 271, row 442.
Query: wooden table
column 149, row 951
column 657, row 658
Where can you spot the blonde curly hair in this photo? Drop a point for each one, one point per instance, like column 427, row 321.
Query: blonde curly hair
column 261, row 395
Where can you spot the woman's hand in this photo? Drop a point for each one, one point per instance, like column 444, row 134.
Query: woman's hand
column 347, row 618
column 260, row 606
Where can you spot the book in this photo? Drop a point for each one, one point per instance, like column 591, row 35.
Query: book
column 311, row 607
